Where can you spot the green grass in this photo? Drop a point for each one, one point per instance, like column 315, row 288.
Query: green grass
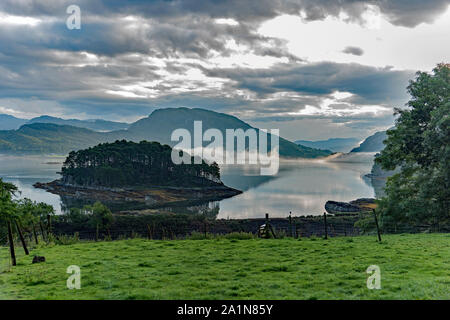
column 412, row 267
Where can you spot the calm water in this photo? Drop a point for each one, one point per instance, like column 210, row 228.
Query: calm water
column 302, row 187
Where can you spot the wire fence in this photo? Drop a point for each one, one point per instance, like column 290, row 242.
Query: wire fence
column 280, row 228
column 295, row 227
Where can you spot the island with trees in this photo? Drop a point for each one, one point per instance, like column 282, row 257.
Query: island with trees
column 142, row 173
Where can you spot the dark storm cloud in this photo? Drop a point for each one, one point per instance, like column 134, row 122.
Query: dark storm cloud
column 353, row 50
column 370, row 85
column 400, row 12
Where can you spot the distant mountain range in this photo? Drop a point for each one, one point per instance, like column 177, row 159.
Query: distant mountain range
column 8, row 122
column 374, row 143
column 333, row 144
column 60, row 139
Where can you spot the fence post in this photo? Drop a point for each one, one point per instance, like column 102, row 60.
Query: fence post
column 376, row 223
column 269, row 226
column 290, row 224
column 204, row 228
column 11, row 244
column 22, row 239
column 42, row 231
column 325, row 224
column 149, row 232
column 35, row 235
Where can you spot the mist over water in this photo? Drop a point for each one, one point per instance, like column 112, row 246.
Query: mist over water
column 301, row 186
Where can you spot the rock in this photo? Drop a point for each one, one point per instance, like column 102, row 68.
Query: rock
column 341, row 207
column 38, row 259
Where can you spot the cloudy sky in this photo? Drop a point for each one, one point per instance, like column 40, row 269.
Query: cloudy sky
column 314, row 69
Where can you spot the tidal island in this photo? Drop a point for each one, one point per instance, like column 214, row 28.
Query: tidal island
column 143, row 172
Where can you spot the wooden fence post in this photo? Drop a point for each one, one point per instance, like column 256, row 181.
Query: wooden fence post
column 269, row 226
column 290, row 224
column 22, row 239
column 376, row 223
column 149, row 232
column 11, row 244
column 325, row 224
column 42, row 231
column 35, row 234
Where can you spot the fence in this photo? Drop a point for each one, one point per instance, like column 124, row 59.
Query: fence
column 297, row 227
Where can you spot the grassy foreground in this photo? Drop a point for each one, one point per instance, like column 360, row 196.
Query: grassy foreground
column 412, row 267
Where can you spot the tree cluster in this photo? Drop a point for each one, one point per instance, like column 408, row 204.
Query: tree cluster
column 125, row 163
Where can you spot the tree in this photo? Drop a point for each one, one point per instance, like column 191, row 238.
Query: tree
column 419, row 145
column 7, row 212
column 101, row 217
column 32, row 213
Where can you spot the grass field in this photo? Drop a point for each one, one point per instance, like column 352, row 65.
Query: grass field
column 412, row 267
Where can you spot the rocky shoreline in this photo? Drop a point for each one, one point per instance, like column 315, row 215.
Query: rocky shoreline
column 151, row 197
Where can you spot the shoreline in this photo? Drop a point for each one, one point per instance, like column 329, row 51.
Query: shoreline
column 151, row 197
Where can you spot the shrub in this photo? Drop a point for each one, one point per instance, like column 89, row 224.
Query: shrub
column 66, row 240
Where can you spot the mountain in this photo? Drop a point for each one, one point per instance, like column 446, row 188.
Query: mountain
column 95, row 124
column 42, row 138
column 61, row 139
column 374, row 143
column 334, row 144
column 162, row 122
column 8, row 122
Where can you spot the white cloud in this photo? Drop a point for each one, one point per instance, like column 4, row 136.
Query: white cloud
column 230, row 22
column 18, row 20
column 384, row 44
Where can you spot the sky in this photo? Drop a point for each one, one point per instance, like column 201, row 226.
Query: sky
column 315, row 69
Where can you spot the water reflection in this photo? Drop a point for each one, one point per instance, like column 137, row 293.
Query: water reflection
column 301, row 187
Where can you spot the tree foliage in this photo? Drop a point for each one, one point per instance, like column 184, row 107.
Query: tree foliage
column 26, row 212
column 100, row 215
column 419, row 145
column 7, row 204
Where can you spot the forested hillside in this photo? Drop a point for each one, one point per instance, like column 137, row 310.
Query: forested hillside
column 51, row 138
column 374, row 143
